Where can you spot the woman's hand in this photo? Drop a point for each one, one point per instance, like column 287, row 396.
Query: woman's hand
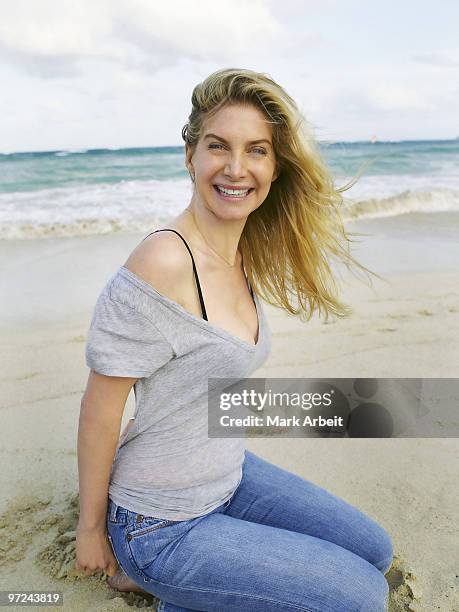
column 93, row 551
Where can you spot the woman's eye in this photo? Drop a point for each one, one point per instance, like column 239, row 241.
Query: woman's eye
column 219, row 146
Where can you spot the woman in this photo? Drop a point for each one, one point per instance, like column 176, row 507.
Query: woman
column 197, row 521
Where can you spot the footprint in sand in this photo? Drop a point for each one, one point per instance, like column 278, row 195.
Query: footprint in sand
column 58, row 558
column 29, row 375
column 404, row 592
column 24, row 517
column 29, row 517
column 424, row 312
column 48, row 526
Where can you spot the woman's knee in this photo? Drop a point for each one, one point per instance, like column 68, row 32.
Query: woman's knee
column 376, row 598
column 368, row 593
column 382, row 551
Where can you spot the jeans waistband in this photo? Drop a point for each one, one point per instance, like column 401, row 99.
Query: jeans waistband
column 118, row 514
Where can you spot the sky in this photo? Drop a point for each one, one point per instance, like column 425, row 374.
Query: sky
column 82, row 74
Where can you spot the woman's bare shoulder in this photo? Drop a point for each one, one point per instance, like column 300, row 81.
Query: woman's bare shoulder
column 163, row 261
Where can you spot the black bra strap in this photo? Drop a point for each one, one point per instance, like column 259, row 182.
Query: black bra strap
column 201, row 299
column 250, row 286
column 248, row 282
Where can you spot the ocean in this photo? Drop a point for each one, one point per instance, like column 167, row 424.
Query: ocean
column 76, row 192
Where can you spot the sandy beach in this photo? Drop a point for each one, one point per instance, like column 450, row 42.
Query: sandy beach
column 407, row 326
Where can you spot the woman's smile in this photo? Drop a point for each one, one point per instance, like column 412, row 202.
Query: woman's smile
column 232, row 193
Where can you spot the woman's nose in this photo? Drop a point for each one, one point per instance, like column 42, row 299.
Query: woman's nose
column 236, row 166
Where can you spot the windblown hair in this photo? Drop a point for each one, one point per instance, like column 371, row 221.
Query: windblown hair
column 288, row 241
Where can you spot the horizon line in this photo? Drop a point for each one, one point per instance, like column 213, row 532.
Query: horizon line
column 87, row 150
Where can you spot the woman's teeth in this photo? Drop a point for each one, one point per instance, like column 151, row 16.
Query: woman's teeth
column 236, row 193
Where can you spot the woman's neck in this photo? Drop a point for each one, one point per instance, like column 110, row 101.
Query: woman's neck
column 220, row 238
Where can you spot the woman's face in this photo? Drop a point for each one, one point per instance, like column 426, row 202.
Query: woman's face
column 234, row 162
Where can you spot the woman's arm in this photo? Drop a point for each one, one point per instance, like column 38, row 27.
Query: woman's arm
column 102, row 408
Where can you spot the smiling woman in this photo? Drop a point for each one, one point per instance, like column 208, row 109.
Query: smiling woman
column 201, row 522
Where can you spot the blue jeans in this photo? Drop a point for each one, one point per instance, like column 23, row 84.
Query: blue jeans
column 279, row 543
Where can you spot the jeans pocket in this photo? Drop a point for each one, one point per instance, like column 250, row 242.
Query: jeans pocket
column 147, row 539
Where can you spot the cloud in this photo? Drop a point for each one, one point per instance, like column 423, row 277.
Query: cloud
column 294, row 9
column 51, row 39
column 447, row 60
column 91, row 73
column 394, row 97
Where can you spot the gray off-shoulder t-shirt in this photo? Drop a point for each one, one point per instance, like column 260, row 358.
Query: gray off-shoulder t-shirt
column 167, row 466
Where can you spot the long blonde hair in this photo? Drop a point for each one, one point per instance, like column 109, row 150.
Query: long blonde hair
column 288, row 240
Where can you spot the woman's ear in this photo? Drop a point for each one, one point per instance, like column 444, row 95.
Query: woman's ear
column 276, row 173
column 188, row 158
